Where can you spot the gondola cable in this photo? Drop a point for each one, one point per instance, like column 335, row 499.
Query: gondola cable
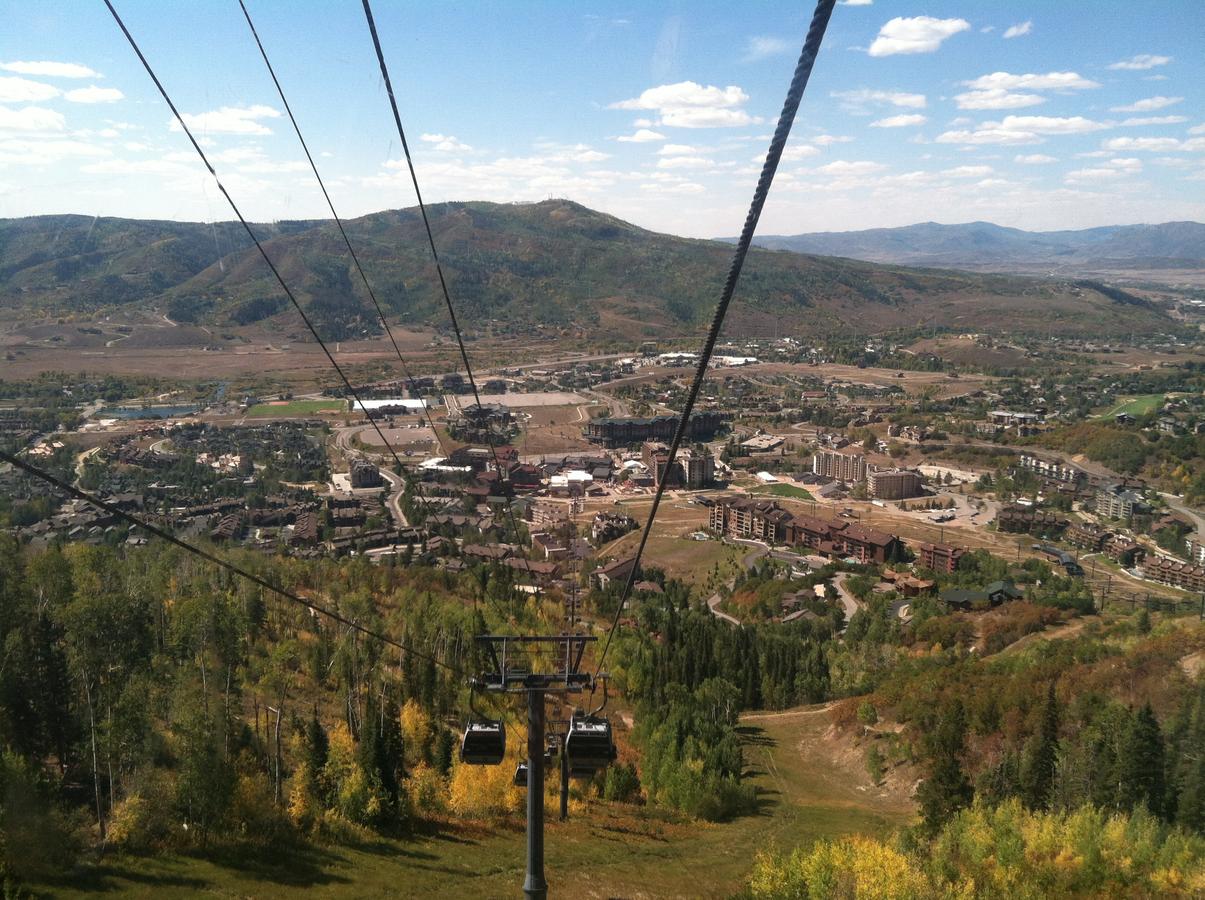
column 259, row 580
column 338, row 221
column 803, row 71
column 403, row 470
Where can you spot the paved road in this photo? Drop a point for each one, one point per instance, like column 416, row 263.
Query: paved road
column 713, row 604
column 848, row 601
column 1177, row 504
column 394, row 503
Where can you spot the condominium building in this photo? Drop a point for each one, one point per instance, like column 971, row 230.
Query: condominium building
column 744, row 517
column 893, row 484
column 1175, row 572
column 940, row 557
column 690, row 469
column 1118, row 503
column 844, row 464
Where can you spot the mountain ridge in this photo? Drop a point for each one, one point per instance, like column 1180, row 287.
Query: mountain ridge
column 552, row 263
column 985, row 246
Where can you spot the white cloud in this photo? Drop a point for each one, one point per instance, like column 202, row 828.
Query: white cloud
column 1020, row 130
column 685, row 162
column 900, row 121
column 94, row 94
column 1018, row 30
column 1154, row 144
column 1197, row 129
column 688, row 117
column 793, row 153
column 757, row 48
column 996, row 98
column 824, row 140
column 691, row 105
column 641, row 136
column 22, row 90
column 42, row 151
column 968, row 171
column 1141, row 61
column 855, row 2
column 1034, row 159
column 679, row 150
column 991, row 133
column 578, row 153
column 446, row 143
column 230, row 120
column 678, row 187
column 918, row 34
column 1051, row 124
column 1113, row 169
column 1148, row 105
column 1156, row 120
column 1050, row 81
column 31, row 119
column 859, row 100
column 844, row 167
column 50, row 69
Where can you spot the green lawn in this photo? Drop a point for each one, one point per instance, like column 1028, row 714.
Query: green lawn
column 782, row 490
column 1136, row 406
column 296, row 408
column 609, row 851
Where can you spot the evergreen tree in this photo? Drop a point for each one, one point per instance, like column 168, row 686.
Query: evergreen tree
column 1037, row 774
column 1141, row 776
column 1189, row 773
column 946, row 789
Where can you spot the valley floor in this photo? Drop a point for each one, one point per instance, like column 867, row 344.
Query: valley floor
column 809, row 787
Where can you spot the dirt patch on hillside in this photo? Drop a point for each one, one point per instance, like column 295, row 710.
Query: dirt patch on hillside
column 1193, row 664
column 815, row 762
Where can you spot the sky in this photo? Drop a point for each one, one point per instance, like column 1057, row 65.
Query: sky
column 1037, row 114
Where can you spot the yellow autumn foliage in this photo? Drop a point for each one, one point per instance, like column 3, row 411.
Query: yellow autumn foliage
column 853, row 867
column 416, row 730
column 476, row 792
column 997, row 852
column 427, row 790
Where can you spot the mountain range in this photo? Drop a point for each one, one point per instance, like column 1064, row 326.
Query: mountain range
column 519, row 266
column 982, row 246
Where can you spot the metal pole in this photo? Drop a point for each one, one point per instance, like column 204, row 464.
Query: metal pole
column 535, row 886
column 564, row 778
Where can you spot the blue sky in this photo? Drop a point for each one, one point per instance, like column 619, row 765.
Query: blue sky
column 1043, row 114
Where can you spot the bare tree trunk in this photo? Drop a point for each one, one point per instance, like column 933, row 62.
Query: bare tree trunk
column 109, row 757
column 204, row 683
column 276, row 792
column 100, row 820
column 226, row 714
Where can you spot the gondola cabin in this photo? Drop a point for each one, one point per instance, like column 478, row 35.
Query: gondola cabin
column 484, row 743
column 589, row 744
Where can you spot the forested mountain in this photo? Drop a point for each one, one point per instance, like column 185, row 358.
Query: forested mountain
column 554, row 262
column 982, row 246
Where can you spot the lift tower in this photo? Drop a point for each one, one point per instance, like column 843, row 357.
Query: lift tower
column 513, row 662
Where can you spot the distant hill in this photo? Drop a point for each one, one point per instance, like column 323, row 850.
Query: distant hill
column 554, row 263
column 982, row 246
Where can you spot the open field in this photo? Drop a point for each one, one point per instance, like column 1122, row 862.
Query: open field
column 538, row 399
column 781, row 490
column 1136, row 406
column 809, row 787
column 284, row 408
